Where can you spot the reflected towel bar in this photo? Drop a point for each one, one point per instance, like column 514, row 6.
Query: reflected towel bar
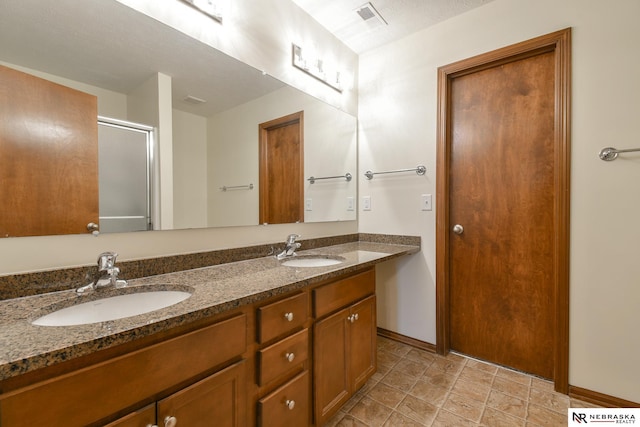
column 609, row 153
column 346, row 176
column 420, row 170
column 234, row 187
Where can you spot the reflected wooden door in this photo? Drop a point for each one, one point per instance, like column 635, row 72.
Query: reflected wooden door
column 49, row 155
column 281, row 170
column 505, row 231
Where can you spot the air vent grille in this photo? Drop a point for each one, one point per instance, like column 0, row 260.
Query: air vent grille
column 367, row 11
column 194, row 100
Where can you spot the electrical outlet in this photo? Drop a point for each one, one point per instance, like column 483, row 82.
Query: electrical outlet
column 366, row 203
column 425, row 202
column 350, row 203
column 308, row 205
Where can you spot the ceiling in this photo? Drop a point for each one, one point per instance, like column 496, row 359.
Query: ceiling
column 403, row 17
column 84, row 41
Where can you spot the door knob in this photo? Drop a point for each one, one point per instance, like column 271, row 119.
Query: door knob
column 93, row 228
column 458, row 229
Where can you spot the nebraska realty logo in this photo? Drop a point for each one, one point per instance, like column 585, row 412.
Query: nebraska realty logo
column 581, row 416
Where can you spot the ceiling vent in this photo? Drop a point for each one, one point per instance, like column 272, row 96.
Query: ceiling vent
column 194, row 100
column 367, row 12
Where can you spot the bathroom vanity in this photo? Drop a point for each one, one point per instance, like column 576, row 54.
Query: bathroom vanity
column 257, row 343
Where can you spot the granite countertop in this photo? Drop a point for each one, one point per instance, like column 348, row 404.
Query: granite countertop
column 26, row 347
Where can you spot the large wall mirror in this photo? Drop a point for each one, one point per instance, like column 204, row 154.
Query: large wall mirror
column 204, row 106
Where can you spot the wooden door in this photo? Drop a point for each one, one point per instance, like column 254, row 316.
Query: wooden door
column 216, row 400
column 281, row 170
column 331, row 365
column 49, row 153
column 505, row 232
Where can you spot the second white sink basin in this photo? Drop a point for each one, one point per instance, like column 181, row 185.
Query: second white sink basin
column 112, row 308
column 313, row 261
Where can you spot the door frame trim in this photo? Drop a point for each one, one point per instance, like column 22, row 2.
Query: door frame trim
column 560, row 43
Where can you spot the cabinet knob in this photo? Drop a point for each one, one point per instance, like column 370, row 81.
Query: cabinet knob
column 151, row 425
column 353, row 318
column 170, row 421
column 290, row 404
column 288, row 316
column 290, row 356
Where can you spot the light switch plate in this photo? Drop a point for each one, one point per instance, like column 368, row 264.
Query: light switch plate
column 425, row 202
column 308, row 204
column 366, row 203
column 350, row 203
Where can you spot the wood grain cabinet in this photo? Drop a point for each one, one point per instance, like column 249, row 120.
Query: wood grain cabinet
column 344, row 341
column 218, row 400
column 104, row 389
column 283, row 362
column 145, row 417
column 293, row 361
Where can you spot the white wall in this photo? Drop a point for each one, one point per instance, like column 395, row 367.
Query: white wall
column 150, row 104
column 398, row 123
column 189, row 170
column 329, row 150
column 259, row 33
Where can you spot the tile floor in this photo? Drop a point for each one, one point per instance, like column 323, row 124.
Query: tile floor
column 417, row 388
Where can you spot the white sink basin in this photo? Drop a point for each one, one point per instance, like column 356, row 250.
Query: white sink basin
column 112, row 308
column 312, row 261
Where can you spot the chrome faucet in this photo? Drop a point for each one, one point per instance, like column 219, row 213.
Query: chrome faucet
column 290, row 247
column 107, row 274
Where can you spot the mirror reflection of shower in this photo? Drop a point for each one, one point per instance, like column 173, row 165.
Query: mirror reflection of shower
column 125, row 165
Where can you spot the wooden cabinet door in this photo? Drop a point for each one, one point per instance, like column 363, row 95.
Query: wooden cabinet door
column 362, row 341
column 49, row 152
column 331, row 367
column 144, row 417
column 218, row 400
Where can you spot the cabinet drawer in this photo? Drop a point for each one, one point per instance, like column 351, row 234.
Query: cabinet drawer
column 284, row 356
column 135, row 376
column 283, row 316
column 287, row 406
column 334, row 296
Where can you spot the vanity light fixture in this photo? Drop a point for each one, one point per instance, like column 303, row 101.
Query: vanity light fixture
column 211, row 8
column 316, row 67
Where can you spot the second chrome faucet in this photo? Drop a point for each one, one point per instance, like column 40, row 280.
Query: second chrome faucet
column 290, row 247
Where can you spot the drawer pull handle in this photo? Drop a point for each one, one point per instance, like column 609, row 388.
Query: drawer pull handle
column 290, row 357
column 290, row 404
column 170, row 421
column 288, row 316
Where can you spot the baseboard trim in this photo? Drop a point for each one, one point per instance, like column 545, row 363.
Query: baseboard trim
column 600, row 398
column 422, row 345
column 583, row 394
